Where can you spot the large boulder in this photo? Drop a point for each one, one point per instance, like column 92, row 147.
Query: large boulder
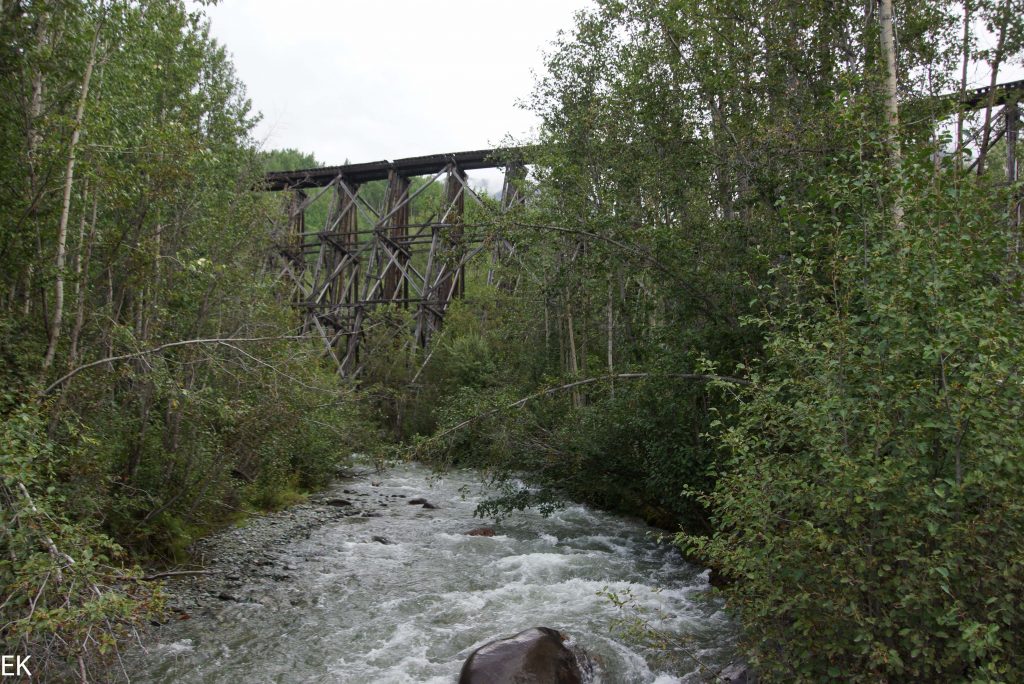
column 534, row 656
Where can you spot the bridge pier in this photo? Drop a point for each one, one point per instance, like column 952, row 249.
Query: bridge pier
column 291, row 250
column 394, row 233
column 511, row 197
column 445, row 268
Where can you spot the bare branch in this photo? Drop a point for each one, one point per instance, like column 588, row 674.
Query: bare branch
column 703, row 377
column 146, row 352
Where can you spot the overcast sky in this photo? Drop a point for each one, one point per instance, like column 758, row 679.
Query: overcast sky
column 370, row 80
column 382, row 80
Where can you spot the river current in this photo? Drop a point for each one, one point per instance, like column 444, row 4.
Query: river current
column 407, row 596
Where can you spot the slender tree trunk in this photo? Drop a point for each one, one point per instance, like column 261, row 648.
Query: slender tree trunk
column 574, row 367
column 626, row 318
column 966, row 51
column 110, row 309
column 140, row 315
column 1012, row 114
column 62, row 229
column 584, row 333
column 570, row 327
column 986, row 131
column 35, row 110
column 26, row 300
column 892, row 111
column 33, row 140
column 547, row 331
column 611, row 336
column 892, row 107
column 82, row 281
column 136, row 443
column 76, row 287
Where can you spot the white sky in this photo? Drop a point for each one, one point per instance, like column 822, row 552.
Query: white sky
column 383, row 80
column 397, row 78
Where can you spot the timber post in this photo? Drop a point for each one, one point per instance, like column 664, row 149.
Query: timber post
column 394, row 240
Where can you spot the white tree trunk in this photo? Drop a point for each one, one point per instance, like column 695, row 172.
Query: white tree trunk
column 892, row 107
column 62, row 228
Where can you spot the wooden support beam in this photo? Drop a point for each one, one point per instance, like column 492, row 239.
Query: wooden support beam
column 296, row 224
column 394, row 227
column 455, row 200
column 511, row 189
column 347, row 227
column 511, row 197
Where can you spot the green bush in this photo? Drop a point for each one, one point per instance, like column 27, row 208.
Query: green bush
column 871, row 519
column 69, row 593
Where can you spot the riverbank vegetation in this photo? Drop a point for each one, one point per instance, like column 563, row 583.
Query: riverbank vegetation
column 769, row 289
column 131, row 233
column 766, row 290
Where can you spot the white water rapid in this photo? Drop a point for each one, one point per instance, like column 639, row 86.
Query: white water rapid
column 352, row 609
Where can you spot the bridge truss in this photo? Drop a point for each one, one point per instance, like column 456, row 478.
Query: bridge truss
column 371, row 254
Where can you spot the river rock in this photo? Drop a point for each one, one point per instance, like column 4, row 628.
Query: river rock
column 481, row 532
column 429, row 505
column 381, row 540
column 338, row 502
column 534, row 655
column 737, row 673
column 418, row 501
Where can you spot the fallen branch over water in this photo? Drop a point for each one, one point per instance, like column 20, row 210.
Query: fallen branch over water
column 703, row 377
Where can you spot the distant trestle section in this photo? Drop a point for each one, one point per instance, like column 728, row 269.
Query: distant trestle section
column 372, row 254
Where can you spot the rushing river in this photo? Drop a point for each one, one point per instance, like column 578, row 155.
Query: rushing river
column 354, row 609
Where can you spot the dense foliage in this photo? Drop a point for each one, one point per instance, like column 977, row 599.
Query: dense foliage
column 131, row 233
column 765, row 287
column 869, row 512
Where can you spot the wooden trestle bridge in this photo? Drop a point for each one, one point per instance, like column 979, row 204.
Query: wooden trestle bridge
column 368, row 255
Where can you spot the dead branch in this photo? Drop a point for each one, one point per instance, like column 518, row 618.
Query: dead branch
column 175, row 573
column 704, row 377
column 58, row 556
column 146, row 352
column 700, row 298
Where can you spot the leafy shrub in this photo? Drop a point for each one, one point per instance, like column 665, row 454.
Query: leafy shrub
column 872, row 518
column 69, row 595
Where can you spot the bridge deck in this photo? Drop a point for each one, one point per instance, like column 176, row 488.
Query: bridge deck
column 378, row 170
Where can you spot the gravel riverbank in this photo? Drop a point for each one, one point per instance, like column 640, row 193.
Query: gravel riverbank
column 237, row 564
